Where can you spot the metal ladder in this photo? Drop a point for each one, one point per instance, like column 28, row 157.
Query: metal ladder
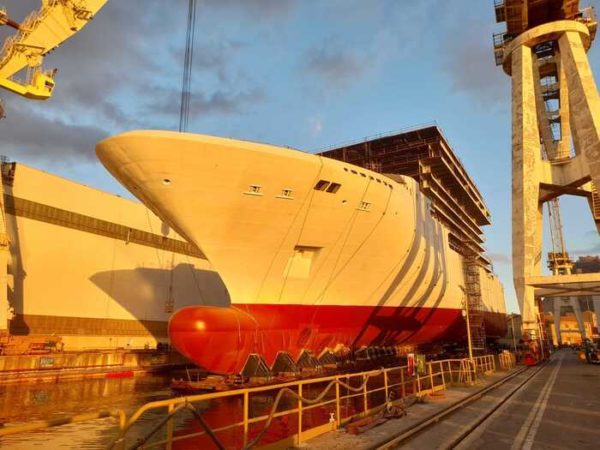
column 595, row 204
column 475, row 304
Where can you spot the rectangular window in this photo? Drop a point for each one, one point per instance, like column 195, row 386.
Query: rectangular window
column 321, row 185
column 254, row 189
column 286, row 194
column 334, row 187
column 364, row 206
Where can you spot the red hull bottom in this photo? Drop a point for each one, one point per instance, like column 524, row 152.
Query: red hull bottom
column 220, row 339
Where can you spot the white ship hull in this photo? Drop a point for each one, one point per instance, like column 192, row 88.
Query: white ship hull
column 315, row 253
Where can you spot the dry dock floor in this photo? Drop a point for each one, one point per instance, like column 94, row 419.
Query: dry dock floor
column 559, row 408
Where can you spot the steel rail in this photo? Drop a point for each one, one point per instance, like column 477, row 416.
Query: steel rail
column 427, row 422
column 474, row 425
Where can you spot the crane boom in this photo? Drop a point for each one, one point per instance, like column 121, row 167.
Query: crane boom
column 40, row 33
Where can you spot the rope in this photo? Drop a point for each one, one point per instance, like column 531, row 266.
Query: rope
column 308, row 401
column 140, row 442
column 186, row 83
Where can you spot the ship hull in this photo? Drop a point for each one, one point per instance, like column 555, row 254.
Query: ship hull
column 222, row 338
column 316, row 254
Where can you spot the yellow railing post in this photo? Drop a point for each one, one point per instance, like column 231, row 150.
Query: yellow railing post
column 402, row 382
column 385, row 385
column 338, row 408
column 366, row 404
column 246, row 407
column 430, row 378
column 300, row 414
column 443, row 375
column 170, row 410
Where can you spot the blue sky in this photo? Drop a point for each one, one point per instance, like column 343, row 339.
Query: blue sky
column 306, row 74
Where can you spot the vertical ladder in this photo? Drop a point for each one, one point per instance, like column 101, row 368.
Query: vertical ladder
column 475, row 303
column 595, row 204
column 5, row 307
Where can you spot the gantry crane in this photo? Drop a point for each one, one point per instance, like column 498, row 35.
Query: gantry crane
column 40, row 33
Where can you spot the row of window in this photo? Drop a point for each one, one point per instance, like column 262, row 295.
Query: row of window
column 255, row 189
column 327, row 186
column 331, row 187
column 322, row 185
column 364, row 175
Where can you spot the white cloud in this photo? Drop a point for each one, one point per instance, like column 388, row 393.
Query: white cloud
column 315, row 126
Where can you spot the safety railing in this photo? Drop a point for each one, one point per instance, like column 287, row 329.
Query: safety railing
column 287, row 413
column 507, row 360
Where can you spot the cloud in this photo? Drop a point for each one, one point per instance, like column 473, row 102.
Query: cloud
column 315, row 126
column 124, row 72
column 265, row 9
column 334, row 64
column 469, row 62
column 589, row 244
column 361, row 43
column 27, row 134
column 586, row 251
column 220, row 102
column 500, row 258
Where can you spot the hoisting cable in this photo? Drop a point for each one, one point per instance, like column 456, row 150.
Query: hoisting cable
column 186, row 83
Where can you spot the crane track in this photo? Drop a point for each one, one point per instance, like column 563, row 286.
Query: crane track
column 420, row 427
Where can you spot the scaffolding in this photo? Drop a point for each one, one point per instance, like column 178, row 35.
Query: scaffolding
column 425, row 155
column 474, row 307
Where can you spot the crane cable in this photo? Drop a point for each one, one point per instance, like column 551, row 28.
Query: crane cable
column 184, row 111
